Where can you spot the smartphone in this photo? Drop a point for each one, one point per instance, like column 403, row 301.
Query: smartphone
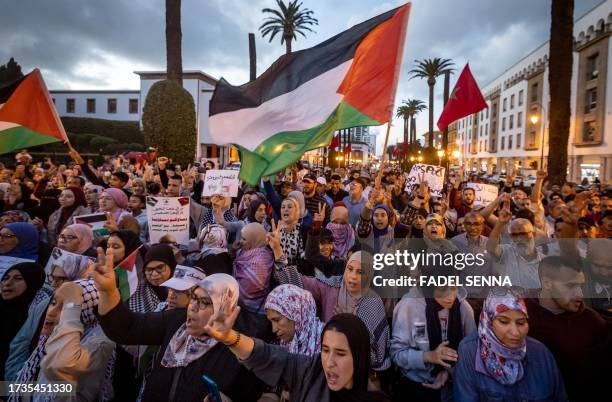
column 213, row 390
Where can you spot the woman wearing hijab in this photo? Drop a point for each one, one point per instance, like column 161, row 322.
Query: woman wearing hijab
column 186, row 351
column 19, row 240
column 428, row 324
column 115, row 202
column 293, row 232
column 253, row 267
column 342, row 231
column 323, row 251
column 72, row 203
column 213, row 257
column 35, row 331
column 77, row 238
column 158, row 267
column 255, row 213
column 293, row 314
column 123, row 243
column 375, row 226
column 349, row 293
column 500, row 361
column 77, row 350
column 18, row 197
column 339, row 373
column 19, row 286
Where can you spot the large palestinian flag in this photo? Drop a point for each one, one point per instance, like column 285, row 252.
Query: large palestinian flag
column 298, row 103
column 27, row 115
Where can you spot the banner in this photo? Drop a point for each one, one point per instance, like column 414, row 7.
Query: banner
column 221, row 182
column 94, row 221
column 69, row 262
column 484, row 193
column 433, row 175
column 168, row 215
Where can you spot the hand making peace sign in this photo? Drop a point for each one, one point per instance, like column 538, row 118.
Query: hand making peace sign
column 320, row 216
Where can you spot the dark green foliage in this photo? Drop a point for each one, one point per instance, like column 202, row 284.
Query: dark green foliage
column 100, row 142
column 169, row 121
column 10, row 72
column 122, row 131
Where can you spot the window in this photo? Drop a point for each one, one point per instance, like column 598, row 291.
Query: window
column 590, row 103
column 505, row 105
column 519, row 120
column 588, row 131
column 532, row 135
column 509, row 142
column 487, row 113
column 494, row 110
column 534, row 92
column 70, row 105
column 479, row 146
column 511, row 122
column 111, row 105
column 592, row 67
column 512, row 101
column 503, row 143
column 486, row 144
column 480, row 132
column 133, row 106
column 518, row 141
column 520, row 98
column 486, row 128
column 91, row 105
column 504, row 124
column 481, row 114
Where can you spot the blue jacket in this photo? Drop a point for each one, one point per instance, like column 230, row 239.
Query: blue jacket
column 541, row 380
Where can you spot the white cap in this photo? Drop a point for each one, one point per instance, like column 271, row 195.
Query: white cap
column 322, row 180
column 184, row 278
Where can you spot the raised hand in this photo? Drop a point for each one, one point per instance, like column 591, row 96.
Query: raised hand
column 104, row 273
column 505, row 215
column 320, row 216
column 274, row 237
column 221, row 323
column 162, row 161
column 111, row 224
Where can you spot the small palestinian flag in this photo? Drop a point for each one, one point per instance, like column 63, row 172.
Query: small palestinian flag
column 27, row 115
column 296, row 105
column 127, row 275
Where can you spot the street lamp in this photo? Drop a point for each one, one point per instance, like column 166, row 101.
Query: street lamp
column 456, row 154
column 534, row 120
column 440, row 155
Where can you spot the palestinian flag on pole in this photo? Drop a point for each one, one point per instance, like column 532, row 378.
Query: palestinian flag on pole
column 296, row 105
column 127, row 275
column 27, row 115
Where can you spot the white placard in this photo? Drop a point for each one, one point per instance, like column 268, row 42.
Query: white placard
column 221, row 182
column 7, row 262
column 484, row 193
column 168, row 215
column 70, row 262
column 433, row 175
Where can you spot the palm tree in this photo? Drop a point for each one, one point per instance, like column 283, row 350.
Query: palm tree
column 174, row 60
column 430, row 69
column 415, row 107
column 290, row 19
column 403, row 113
column 559, row 82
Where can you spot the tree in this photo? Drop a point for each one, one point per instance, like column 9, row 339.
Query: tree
column 402, row 113
column 559, row 82
column 430, row 69
column 10, row 72
column 289, row 20
column 415, row 107
column 169, row 121
column 174, row 58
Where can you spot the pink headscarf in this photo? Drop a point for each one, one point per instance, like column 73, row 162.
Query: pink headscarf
column 85, row 235
column 119, row 196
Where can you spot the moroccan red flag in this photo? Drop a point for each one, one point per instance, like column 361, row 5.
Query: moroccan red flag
column 396, row 151
column 348, row 149
column 335, row 142
column 465, row 99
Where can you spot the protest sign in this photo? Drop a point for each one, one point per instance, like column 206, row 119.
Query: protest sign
column 484, row 193
column 69, row 262
column 433, row 175
column 221, row 182
column 168, row 215
column 7, row 262
column 94, row 221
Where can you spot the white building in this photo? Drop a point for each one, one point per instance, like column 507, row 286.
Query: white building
column 127, row 105
column 504, row 136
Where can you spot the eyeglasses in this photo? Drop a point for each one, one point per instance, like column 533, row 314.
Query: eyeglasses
column 516, row 291
column 202, row 303
column 56, row 280
column 520, row 234
column 159, row 269
column 7, row 236
column 66, row 237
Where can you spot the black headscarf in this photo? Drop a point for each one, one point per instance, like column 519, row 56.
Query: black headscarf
column 160, row 252
column 130, row 240
column 359, row 342
column 253, row 207
column 15, row 312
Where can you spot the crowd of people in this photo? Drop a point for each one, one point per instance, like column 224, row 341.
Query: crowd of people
column 272, row 297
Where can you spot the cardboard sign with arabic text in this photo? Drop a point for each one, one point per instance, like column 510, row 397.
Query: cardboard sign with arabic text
column 484, row 193
column 433, row 175
column 168, row 215
column 221, row 182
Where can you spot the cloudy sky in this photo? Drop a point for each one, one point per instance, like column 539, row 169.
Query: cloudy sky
column 91, row 44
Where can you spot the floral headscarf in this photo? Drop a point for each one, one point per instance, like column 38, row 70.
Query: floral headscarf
column 344, row 235
column 299, row 306
column 213, row 239
column 502, row 363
